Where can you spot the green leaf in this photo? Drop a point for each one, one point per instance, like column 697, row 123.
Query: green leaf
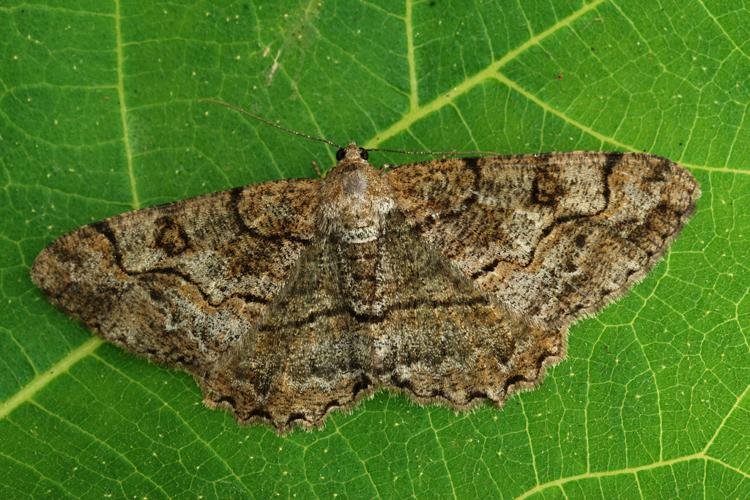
column 99, row 114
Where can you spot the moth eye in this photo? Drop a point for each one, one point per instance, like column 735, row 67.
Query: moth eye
column 363, row 153
column 340, row 154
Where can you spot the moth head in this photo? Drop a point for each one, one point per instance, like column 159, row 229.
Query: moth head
column 353, row 177
column 352, row 174
column 351, row 152
column 355, row 197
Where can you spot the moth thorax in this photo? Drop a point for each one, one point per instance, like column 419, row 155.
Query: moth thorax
column 363, row 220
column 356, row 183
column 359, row 200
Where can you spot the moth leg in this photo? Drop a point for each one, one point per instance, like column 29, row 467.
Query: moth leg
column 316, row 169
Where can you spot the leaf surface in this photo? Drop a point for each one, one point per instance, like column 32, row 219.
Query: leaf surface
column 99, row 114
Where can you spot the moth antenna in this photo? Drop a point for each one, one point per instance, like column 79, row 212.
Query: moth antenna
column 436, row 153
column 269, row 122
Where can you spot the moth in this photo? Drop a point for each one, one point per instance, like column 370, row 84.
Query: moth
column 453, row 281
